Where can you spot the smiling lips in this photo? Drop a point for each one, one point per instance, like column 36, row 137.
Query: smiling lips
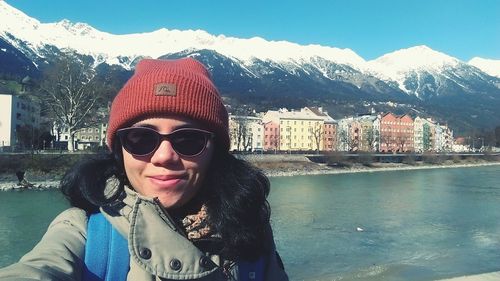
column 167, row 181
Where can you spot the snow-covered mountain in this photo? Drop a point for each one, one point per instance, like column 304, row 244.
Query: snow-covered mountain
column 425, row 72
column 417, row 78
column 106, row 47
column 491, row 67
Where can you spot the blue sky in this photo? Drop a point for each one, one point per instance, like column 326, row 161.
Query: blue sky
column 460, row 28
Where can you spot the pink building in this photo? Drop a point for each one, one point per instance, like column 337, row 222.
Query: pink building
column 271, row 136
column 396, row 133
column 329, row 136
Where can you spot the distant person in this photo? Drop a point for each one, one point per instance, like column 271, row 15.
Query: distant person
column 22, row 182
column 20, row 176
column 169, row 202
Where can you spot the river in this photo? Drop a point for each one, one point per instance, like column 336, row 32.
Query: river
column 399, row 225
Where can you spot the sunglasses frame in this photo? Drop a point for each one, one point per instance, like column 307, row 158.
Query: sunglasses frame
column 122, row 134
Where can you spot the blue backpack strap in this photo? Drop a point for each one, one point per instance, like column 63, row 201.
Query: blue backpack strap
column 252, row 271
column 106, row 252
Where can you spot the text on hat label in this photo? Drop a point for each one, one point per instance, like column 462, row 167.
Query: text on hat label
column 165, row 89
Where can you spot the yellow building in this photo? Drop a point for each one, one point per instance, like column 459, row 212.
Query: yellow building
column 300, row 131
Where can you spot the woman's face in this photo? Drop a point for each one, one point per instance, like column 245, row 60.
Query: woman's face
column 165, row 174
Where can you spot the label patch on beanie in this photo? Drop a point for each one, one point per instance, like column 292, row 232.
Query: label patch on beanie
column 165, row 89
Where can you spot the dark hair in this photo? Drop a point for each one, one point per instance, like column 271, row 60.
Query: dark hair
column 234, row 192
column 237, row 206
column 84, row 184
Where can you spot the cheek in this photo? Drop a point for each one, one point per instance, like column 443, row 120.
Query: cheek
column 201, row 165
column 133, row 167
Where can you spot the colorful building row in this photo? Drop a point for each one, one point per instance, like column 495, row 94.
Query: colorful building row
column 312, row 129
column 391, row 133
column 309, row 129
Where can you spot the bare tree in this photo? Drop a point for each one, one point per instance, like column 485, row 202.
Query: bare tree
column 387, row 139
column 346, row 139
column 372, row 138
column 242, row 134
column 69, row 88
column 401, row 141
column 274, row 141
column 317, row 133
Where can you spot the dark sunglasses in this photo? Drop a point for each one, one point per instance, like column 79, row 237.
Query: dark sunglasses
column 142, row 141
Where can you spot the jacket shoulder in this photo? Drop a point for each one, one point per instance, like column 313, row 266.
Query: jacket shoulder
column 73, row 217
column 58, row 255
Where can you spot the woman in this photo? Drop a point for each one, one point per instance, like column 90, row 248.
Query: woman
column 185, row 207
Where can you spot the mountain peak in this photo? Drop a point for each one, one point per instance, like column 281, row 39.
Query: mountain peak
column 396, row 65
column 491, row 67
column 418, row 57
column 78, row 28
column 15, row 21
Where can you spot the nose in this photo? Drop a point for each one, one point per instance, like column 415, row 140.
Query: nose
column 164, row 154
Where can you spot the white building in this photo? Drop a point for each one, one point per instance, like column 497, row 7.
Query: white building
column 446, row 138
column 360, row 133
column 18, row 116
column 246, row 133
column 424, row 135
column 418, row 134
column 85, row 138
column 344, row 134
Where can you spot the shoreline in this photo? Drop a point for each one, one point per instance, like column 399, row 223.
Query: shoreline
column 378, row 167
column 270, row 169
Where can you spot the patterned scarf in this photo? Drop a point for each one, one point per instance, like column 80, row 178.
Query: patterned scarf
column 197, row 227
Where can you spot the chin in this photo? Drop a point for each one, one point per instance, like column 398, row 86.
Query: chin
column 168, row 203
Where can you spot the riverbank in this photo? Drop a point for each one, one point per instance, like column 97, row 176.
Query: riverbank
column 303, row 166
column 39, row 176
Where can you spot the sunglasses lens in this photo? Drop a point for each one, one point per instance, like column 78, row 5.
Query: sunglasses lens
column 188, row 142
column 140, row 141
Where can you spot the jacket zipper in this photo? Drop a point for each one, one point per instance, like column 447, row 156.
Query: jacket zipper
column 169, row 218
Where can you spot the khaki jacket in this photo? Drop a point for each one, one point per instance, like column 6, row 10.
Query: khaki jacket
column 157, row 250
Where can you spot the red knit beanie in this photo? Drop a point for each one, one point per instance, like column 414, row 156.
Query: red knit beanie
column 179, row 87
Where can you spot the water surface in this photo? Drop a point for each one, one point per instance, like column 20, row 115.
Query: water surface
column 416, row 225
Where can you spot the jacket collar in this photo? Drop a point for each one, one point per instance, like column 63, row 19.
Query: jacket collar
column 155, row 242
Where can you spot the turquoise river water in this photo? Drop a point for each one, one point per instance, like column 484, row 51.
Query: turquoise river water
column 399, row 225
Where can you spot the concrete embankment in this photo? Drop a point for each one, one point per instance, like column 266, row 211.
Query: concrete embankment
column 46, row 170
column 292, row 165
column 492, row 276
